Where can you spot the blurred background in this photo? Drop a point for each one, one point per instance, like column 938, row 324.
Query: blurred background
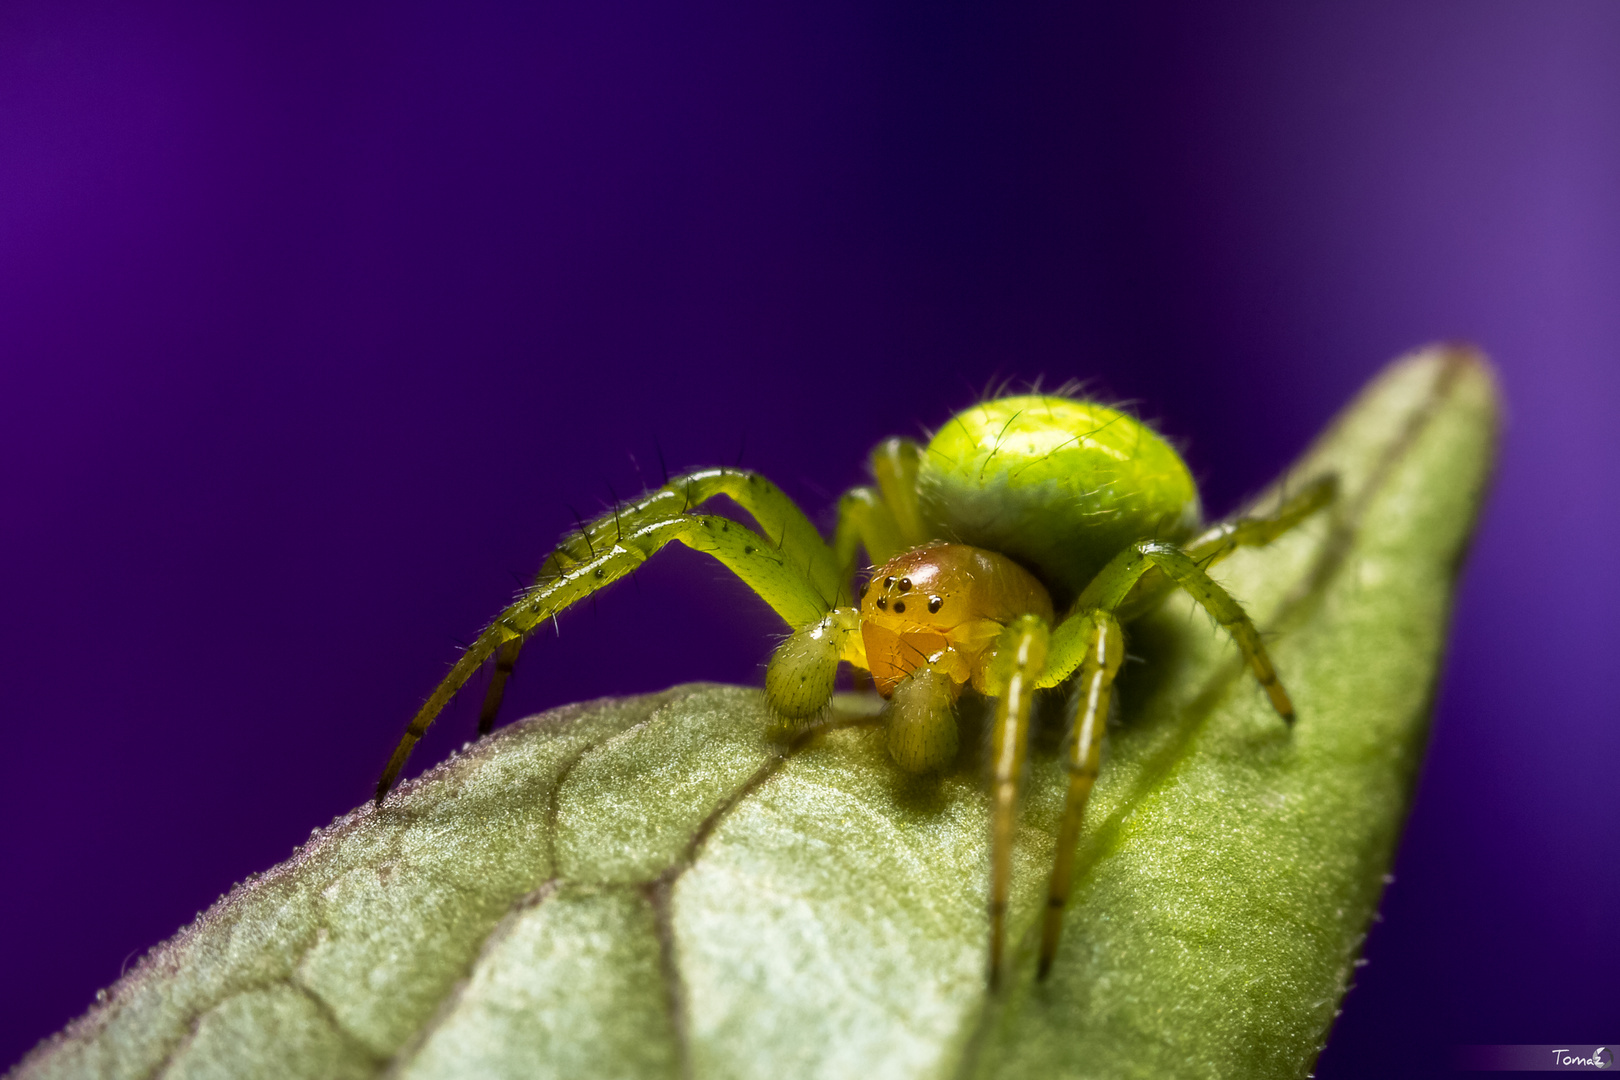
column 315, row 323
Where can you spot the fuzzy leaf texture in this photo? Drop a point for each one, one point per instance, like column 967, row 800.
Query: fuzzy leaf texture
column 654, row 887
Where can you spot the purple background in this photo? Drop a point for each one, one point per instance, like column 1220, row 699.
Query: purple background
column 313, row 324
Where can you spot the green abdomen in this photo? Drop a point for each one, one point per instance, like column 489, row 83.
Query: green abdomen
column 1060, row 485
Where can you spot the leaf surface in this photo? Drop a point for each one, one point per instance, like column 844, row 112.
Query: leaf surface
column 654, row 887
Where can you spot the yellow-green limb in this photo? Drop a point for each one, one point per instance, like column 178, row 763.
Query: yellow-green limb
column 505, row 660
column 1090, row 641
column 884, row 519
column 865, row 522
column 787, row 564
column 779, row 518
column 1019, row 657
column 1109, row 589
column 1221, row 539
column 894, row 465
column 1093, row 689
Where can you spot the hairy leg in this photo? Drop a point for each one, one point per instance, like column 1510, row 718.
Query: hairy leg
column 1093, row 689
column 1221, row 539
column 791, row 569
column 1114, row 582
column 1019, row 657
column 883, row 519
column 505, row 660
column 894, row 465
column 1089, row 639
column 777, row 515
column 865, row 522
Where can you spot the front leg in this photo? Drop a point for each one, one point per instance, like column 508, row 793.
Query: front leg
column 1015, row 663
column 1093, row 690
column 793, row 571
column 779, row 518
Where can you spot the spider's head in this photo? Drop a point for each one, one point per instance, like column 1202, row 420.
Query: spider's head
column 942, row 604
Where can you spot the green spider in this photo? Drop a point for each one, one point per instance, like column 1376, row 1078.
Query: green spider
column 1019, row 508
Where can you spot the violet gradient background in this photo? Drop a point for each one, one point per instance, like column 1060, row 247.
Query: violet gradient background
column 314, row 322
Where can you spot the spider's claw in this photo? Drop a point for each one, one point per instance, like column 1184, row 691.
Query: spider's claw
column 998, row 942
column 1280, row 701
column 1051, row 931
column 396, row 763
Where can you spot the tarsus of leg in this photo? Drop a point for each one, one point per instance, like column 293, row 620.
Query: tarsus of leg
column 1114, row 582
column 791, row 568
column 1018, row 658
column 1105, row 650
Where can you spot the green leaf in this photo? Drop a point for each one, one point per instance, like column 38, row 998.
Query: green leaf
column 654, row 887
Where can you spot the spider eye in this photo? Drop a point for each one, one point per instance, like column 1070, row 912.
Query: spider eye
column 883, row 604
column 864, row 586
column 899, row 607
column 887, row 582
column 905, row 584
column 934, row 603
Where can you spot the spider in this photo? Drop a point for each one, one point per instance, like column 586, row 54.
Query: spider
column 1019, row 508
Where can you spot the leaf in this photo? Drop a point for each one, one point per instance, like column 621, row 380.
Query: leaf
column 653, row 887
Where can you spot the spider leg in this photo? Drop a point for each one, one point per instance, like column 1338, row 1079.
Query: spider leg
column 505, row 660
column 1104, row 652
column 1090, row 640
column 1221, row 539
column 790, row 567
column 894, row 465
column 864, row 521
column 776, row 514
column 885, row 519
column 506, row 656
column 1018, row 658
column 1114, row 582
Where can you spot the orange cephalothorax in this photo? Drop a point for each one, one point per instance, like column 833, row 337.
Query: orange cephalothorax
column 942, row 604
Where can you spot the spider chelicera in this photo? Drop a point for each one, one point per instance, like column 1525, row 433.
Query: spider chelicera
column 1019, row 508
